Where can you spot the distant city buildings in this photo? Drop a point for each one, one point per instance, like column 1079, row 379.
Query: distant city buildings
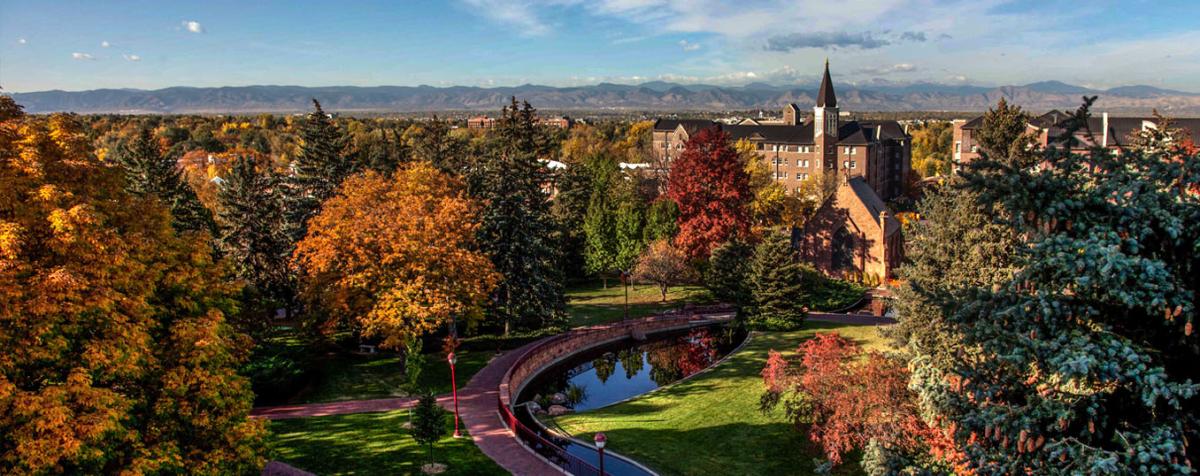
column 486, row 122
column 1112, row 133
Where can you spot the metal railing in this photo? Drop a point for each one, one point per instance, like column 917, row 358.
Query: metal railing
column 553, row 452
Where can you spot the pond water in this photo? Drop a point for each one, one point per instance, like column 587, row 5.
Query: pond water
column 618, row 371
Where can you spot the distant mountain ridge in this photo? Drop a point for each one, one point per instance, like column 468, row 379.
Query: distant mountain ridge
column 651, row 96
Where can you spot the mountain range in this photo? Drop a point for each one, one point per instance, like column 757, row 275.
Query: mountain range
column 651, row 96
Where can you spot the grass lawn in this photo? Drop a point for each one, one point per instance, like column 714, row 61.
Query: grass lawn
column 358, row 377
column 711, row 424
column 591, row 303
column 371, row 443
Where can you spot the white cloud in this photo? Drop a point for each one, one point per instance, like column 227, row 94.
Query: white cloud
column 105, row 44
column 896, row 68
column 82, row 56
column 522, row 14
column 688, row 46
column 193, row 26
column 129, row 57
column 21, row 41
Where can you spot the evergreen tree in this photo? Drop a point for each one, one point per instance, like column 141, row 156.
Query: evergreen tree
column 253, row 236
column 779, row 284
column 321, row 165
column 569, row 209
column 728, row 275
column 1066, row 345
column 149, row 173
column 1004, row 135
column 428, row 422
column 600, row 223
column 517, row 228
column 432, row 142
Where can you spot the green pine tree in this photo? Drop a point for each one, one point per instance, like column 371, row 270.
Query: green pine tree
column 779, row 285
column 253, row 236
column 321, row 165
column 517, row 229
column 728, row 275
column 148, row 172
column 1049, row 311
column 428, row 422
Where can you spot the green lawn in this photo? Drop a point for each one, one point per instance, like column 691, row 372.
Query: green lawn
column 358, row 377
column 369, row 444
column 711, row 424
column 591, row 303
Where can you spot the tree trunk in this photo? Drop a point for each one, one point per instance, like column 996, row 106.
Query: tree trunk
column 604, row 281
column 664, row 293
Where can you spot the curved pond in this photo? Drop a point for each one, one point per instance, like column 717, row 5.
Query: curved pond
column 619, row 371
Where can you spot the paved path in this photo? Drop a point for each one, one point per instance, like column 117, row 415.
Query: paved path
column 860, row 319
column 304, row 410
column 479, row 406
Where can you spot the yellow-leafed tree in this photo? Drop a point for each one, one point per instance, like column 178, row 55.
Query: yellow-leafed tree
column 115, row 356
column 396, row 255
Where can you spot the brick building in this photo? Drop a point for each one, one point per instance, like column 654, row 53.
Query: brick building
column 1112, row 133
column 798, row 147
column 485, row 122
column 852, row 235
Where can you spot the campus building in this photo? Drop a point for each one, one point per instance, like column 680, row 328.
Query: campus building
column 801, row 146
column 853, row 234
column 1111, row 133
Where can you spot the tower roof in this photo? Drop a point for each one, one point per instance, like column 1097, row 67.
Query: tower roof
column 825, row 96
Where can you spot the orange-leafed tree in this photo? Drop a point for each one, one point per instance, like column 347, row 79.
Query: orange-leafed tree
column 855, row 400
column 664, row 265
column 116, row 355
column 395, row 256
column 710, row 184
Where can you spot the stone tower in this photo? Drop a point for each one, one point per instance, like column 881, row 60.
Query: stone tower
column 825, row 121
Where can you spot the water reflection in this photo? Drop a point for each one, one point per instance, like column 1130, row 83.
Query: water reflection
column 614, row 373
column 629, row 368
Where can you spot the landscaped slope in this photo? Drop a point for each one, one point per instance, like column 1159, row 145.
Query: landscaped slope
column 711, row 424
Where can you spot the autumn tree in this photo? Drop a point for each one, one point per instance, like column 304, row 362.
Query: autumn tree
column 253, row 236
column 854, row 400
column 117, row 357
column 396, row 256
column 150, row 173
column 932, row 148
column 323, row 162
column 767, row 206
column 516, row 227
column 664, row 265
column 709, row 183
column 1072, row 349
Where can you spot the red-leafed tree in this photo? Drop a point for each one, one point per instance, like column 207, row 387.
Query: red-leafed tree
column 851, row 399
column 710, row 184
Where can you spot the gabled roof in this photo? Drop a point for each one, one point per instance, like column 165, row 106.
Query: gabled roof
column 825, row 96
column 690, row 125
column 861, row 192
column 783, row 134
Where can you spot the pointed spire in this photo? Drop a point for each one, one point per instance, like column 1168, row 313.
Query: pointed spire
column 825, row 96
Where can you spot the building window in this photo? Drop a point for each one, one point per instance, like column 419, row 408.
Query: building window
column 802, row 163
column 974, row 148
column 777, row 161
column 957, row 147
column 854, row 164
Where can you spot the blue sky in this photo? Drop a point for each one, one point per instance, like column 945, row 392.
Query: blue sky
column 152, row 44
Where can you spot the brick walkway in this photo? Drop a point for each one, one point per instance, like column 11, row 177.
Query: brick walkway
column 477, row 403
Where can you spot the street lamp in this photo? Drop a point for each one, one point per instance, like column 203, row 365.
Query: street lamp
column 625, row 277
column 600, row 440
column 454, row 388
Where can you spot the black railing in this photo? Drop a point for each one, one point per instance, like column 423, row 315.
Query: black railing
column 547, row 448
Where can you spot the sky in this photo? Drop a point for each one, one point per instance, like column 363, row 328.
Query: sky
column 77, row 45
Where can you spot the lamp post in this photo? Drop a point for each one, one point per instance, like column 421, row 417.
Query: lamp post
column 600, row 440
column 454, row 389
column 625, row 277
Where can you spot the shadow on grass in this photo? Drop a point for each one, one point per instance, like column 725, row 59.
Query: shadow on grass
column 370, row 444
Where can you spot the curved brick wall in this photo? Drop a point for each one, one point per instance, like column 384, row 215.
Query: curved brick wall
column 562, row 346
